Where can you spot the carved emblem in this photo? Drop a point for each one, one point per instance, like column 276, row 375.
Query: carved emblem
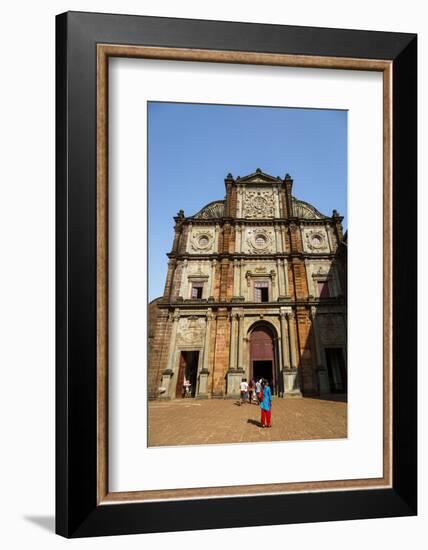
column 201, row 241
column 260, row 241
column 259, row 204
column 191, row 331
column 316, row 240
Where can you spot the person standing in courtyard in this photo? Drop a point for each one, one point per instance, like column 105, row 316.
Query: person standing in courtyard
column 258, row 390
column 266, row 405
column 244, row 389
column 250, row 391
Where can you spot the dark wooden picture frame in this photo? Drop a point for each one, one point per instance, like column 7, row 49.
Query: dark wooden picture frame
column 84, row 43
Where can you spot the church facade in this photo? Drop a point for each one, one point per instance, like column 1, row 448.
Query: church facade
column 256, row 287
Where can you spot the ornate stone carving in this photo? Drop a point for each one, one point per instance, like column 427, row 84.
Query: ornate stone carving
column 261, row 272
column 198, row 274
column 259, row 204
column 305, row 210
column 191, row 330
column 260, row 241
column 316, row 240
column 202, row 241
column 213, row 210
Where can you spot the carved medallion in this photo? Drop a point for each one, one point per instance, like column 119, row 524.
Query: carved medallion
column 259, row 204
column 259, row 241
column 201, row 241
column 316, row 240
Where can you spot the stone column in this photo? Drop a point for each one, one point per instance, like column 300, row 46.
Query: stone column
column 274, row 286
column 277, row 214
column 241, row 278
column 189, row 237
column 282, row 214
column 290, row 372
column 235, row 280
column 286, row 284
column 277, row 239
column 167, row 374
column 279, row 368
column 240, row 341
column 285, row 341
column 232, row 358
column 183, row 285
column 212, row 277
column 203, row 375
column 281, row 281
column 234, row 375
column 321, row 368
column 237, row 238
column 239, row 209
column 217, row 230
column 293, row 339
column 284, row 240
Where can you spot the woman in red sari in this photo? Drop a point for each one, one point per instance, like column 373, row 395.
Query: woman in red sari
column 266, row 405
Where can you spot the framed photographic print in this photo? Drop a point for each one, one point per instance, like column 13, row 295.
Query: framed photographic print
column 236, row 274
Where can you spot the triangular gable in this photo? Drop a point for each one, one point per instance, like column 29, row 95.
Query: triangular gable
column 258, row 177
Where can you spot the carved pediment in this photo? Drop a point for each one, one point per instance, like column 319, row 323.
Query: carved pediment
column 258, row 177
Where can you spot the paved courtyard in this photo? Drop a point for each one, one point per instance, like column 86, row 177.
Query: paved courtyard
column 200, row 422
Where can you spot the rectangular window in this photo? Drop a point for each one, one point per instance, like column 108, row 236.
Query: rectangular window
column 323, row 289
column 197, row 290
column 261, row 291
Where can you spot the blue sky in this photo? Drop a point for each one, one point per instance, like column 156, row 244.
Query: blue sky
column 192, row 147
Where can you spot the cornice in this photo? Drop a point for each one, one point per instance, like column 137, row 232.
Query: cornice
column 259, row 221
column 243, row 256
column 320, row 304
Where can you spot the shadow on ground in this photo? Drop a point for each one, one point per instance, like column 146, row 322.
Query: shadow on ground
column 45, row 522
column 254, row 422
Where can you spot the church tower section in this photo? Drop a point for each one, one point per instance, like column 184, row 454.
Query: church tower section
column 255, row 288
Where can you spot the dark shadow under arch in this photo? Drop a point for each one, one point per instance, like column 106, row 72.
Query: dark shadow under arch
column 263, row 354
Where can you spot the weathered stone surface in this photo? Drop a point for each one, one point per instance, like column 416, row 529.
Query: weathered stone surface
column 259, row 258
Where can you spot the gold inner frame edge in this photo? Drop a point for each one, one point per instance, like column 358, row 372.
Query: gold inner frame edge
column 104, row 51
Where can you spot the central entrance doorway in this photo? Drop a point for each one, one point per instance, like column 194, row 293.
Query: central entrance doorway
column 263, row 355
column 263, row 369
column 187, row 374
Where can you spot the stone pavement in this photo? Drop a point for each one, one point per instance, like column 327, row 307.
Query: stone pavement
column 201, row 422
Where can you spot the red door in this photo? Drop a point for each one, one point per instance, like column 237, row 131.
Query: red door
column 261, row 345
column 262, row 356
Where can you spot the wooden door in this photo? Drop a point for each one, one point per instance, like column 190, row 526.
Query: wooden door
column 261, row 345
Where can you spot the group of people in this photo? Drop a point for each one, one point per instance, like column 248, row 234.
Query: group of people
column 258, row 392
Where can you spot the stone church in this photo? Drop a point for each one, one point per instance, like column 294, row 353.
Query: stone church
column 256, row 287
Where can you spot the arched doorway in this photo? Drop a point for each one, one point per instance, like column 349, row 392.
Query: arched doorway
column 263, row 353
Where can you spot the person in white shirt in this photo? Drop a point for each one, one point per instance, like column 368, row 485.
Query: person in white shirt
column 244, row 388
column 258, row 389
